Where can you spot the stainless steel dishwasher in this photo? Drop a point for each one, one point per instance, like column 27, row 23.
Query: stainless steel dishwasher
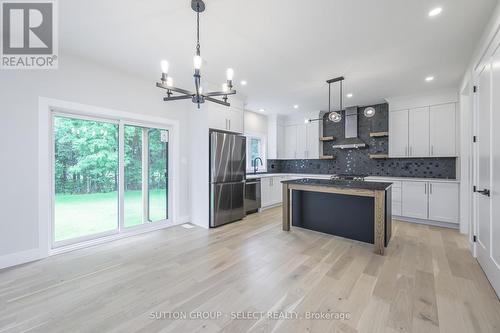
column 252, row 196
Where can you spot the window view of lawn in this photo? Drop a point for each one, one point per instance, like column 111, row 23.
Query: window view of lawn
column 86, row 177
column 87, row 214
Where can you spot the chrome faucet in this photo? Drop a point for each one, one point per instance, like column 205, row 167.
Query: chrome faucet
column 254, row 163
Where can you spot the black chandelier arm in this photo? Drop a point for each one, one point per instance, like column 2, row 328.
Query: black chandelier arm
column 217, row 101
column 177, row 90
column 177, row 98
column 220, row 93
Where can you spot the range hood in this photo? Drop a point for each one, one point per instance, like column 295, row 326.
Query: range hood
column 351, row 139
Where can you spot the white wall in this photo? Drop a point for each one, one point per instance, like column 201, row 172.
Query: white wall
column 77, row 81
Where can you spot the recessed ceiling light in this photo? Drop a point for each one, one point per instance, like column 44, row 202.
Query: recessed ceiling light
column 435, row 12
column 262, row 110
column 429, row 78
column 349, row 95
column 295, row 106
column 243, row 83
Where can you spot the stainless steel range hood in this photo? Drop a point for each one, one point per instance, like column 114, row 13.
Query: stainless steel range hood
column 351, row 139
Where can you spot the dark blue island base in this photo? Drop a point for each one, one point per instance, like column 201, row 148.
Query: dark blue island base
column 340, row 215
column 357, row 210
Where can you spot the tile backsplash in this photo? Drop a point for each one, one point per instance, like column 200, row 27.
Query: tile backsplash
column 357, row 161
column 394, row 167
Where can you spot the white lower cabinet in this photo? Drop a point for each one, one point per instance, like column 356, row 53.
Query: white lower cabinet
column 435, row 201
column 271, row 190
column 396, row 200
column 444, row 202
column 414, row 199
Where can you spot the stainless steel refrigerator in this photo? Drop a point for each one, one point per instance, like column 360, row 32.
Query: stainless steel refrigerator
column 227, row 177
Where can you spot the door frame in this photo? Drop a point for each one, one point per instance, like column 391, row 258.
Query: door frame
column 47, row 108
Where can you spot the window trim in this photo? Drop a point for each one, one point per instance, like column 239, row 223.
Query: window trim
column 263, row 139
column 46, row 187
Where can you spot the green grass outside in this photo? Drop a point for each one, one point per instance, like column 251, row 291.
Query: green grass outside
column 79, row 215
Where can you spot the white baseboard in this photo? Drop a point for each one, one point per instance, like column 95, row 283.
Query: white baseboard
column 183, row 219
column 427, row 222
column 269, row 207
column 22, row 257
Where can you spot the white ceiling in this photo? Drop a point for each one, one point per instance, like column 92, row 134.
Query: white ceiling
column 285, row 49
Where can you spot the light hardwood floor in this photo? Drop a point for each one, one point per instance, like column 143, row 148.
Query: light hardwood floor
column 427, row 282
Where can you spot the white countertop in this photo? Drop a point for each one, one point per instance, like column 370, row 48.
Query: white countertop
column 373, row 178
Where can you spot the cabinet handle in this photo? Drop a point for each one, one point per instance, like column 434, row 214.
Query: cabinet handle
column 430, row 187
column 432, row 150
column 425, row 188
column 226, row 123
column 229, row 123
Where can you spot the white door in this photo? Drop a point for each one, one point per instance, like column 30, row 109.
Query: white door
column 486, row 204
column 414, row 199
column 398, row 133
column 290, row 142
column 443, row 130
column 301, row 140
column 418, row 132
column 443, row 202
column 494, row 273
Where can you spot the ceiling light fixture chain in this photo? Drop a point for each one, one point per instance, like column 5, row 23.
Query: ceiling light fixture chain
column 197, row 97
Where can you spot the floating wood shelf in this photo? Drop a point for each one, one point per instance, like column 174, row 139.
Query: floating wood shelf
column 326, row 138
column 379, row 134
column 327, row 157
column 379, row 156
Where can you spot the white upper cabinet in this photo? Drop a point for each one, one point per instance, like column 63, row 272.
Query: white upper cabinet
column 398, row 133
column 312, row 142
column 299, row 141
column 290, row 142
column 423, row 132
column 225, row 118
column 443, row 130
column 236, row 120
column 217, row 116
column 418, row 132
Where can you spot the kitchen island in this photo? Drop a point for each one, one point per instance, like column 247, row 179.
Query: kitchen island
column 357, row 210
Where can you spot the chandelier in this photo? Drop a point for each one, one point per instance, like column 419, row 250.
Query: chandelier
column 197, row 96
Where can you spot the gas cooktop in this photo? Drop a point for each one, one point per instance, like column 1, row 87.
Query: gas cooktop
column 355, row 177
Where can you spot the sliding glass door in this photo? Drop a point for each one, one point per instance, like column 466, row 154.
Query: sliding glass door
column 158, row 175
column 133, row 191
column 146, row 175
column 86, row 178
column 87, row 185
